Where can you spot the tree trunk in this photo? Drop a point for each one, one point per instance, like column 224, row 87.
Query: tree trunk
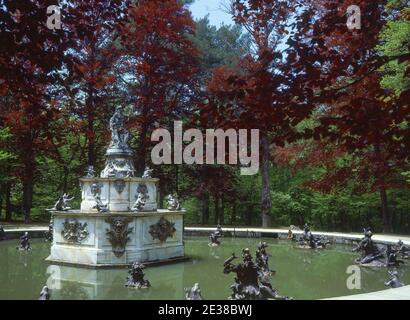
column 176, row 179
column 205, row 210
column 221, row 220
column 266, row 202
column 65, row 180
column 161, row 198
column 1, row 199
column 28, row 182
column 249, row 214
column 142, row 151
column 216, row 217
column 8, row 202
column 233, row 216
column 90, row 128
column 387, row 226
column 385, row 211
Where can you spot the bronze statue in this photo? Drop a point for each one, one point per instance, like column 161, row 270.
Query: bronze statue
column 290, row 236
column 214, row 237
column 403, row 250
column 262, row 258
column 393, row 281
column 251, row 281
column 24, row 243
column 44, row 294
column 392, row 260
column 136, row 277
column 194, row 293
column 2, row 233
column 219, row 231
column 308, row 239
column 48, row 235
column 372, row 254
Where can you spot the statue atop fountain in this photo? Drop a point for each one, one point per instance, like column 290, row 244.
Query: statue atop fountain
column 119, row 162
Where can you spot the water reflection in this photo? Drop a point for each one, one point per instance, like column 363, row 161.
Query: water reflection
column 72, row 283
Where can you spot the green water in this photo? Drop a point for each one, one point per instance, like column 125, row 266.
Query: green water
column 302, row 274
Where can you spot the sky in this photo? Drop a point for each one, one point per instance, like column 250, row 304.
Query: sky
column 217, row 16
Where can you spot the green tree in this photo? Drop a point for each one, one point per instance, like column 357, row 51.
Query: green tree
column 395, row 41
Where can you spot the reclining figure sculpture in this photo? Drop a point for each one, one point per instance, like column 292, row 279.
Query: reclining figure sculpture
column 372, row 254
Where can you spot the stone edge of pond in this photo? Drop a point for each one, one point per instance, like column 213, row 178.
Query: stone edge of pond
column 334, row 237
column 16, row 233
column 402, row 293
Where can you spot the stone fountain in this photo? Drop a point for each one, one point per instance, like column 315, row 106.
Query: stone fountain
column 118, row 222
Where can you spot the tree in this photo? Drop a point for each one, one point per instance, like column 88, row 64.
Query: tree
column 261, row 90
column 30, row 55
column 88, row 85
column 158, row 65
column 7, row 156
column 395, row 42
column 359, row 114
column 218, row 46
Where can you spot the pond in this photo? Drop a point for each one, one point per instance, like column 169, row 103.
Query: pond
column 302, row 274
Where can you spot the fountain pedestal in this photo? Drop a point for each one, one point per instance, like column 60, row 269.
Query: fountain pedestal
column 118, row 222
column 116, row 239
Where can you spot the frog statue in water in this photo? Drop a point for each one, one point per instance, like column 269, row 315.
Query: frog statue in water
column 251, row 281
column 372, row 254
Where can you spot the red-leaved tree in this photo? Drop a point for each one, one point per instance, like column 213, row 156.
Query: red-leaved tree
column 158, row 65
column 30, row 55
